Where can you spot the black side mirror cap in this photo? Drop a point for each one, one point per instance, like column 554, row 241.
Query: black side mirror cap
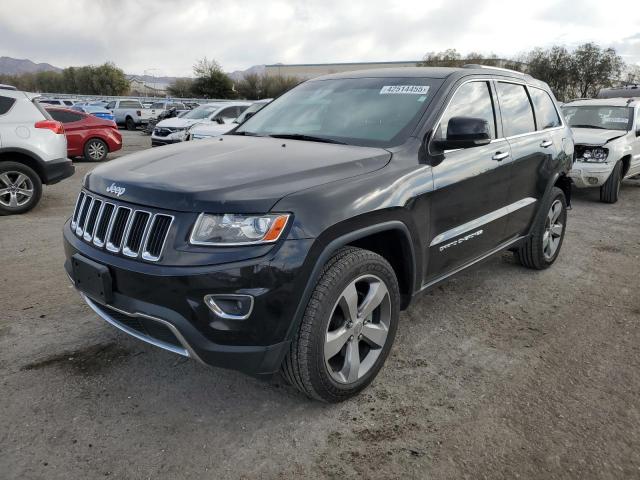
column 465, row 132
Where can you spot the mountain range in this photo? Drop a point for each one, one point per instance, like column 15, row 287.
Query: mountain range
column 16, row 66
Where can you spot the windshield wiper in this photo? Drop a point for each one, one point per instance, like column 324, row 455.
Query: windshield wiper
column 308, row 138
column 589, row 126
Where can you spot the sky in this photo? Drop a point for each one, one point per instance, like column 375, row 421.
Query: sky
column 166, row 37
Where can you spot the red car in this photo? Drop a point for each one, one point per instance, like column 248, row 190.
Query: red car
column 87, row 136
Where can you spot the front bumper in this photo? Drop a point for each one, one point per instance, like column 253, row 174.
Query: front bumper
column 159, row 141
column 586, row 174
column 163, row 305
column 56, row 170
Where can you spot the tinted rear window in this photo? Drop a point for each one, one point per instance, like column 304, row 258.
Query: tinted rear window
column 517, row 115
column 546, row 113
column 5, row 104
column 64, row 116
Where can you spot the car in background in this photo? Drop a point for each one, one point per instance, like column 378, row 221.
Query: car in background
column 174, row 130
column 607, row 143
column 87, row 136
column 66, row 102
column 96, row 111
column 33, row 151
column 130, row 113
column 213, row 129
column 158, row 108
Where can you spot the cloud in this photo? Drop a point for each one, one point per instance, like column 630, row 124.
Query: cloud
column 170, row 35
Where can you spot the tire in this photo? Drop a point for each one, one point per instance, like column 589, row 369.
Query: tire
column 20, row 188
column 130, row 124
column 321, row 359
column 536, row 253
column 95, row 150
column 610, row 191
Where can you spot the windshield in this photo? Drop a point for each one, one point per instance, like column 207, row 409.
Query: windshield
column 201, row 112
column 599, row 116
column 357, row 111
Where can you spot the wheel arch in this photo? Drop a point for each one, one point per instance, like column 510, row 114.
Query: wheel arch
column 626, row 164
column 25, row 157
column 370, row 235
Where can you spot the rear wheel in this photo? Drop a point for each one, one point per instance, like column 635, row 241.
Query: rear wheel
column 610, row 191
column 348, row 327
column 20, row 188
column 130, row 124
column 542, row 247
column 95, row 150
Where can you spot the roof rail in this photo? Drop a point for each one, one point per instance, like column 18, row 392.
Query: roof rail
column 7, row 87
column 630, row 100
column 477, row 65
column 579, row 98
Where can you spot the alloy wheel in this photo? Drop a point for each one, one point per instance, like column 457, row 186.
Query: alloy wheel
column 553, row 230
column 96, row 150
column 357, row 329
column 16, row 189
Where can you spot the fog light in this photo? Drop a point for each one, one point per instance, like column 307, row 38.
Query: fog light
column 592, row 180
column 231, row 306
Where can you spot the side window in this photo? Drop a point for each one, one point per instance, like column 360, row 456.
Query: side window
column 64, row 116
column 228, row 113
column 471, row 100
column 5, row 104
column 517, row 115
column 110, row 105
column 546, row 113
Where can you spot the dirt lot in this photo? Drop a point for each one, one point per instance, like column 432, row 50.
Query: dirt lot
column 498, row 373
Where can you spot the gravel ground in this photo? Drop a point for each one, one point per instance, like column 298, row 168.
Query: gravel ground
column 498, row 373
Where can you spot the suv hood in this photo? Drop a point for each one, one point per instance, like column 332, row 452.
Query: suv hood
column 230, row 174
column 177, row 122
column 212, row 128
column 595, row 136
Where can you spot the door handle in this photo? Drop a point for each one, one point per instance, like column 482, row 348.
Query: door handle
column 499, row 156
column 546, row 143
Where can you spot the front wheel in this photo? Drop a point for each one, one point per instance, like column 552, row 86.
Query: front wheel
column 542, row 247
column 348, row 327
column 610, row 191
column 20, row 188
column 130, row 124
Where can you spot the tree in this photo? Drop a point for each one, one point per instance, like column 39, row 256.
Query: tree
column 554, row 66
column 251, row 87
column 211, row 81
column 595, row 68
column 448, row 58
column 181, row 87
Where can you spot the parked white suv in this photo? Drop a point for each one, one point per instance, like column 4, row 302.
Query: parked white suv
column 214, row 129
column 607, row 143
column 174, row 130
column 33, row 151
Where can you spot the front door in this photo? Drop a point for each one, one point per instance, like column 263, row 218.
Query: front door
column 470, row 188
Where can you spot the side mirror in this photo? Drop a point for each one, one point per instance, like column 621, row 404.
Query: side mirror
column 219, row 120
column 248, row 115
column 638, row 132
column 465, row 132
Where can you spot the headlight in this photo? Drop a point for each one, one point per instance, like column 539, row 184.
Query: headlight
column 595, row 155
column 230, row 229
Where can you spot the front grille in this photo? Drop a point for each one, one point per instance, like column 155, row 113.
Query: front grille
column 162, row 132
column 119, row 228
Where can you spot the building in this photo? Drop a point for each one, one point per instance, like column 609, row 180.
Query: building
column 311, row 70
column 138, row 86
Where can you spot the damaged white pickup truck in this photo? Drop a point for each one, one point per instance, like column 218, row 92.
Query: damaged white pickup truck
column 607, row 143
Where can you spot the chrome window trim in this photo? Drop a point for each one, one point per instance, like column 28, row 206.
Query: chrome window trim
column 145, row 253
column 480, row 221
column 126, row 250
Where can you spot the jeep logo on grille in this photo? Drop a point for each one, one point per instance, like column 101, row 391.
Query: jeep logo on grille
column 116, row 190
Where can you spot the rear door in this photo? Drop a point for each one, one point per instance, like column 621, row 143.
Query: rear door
column 470, row 187
column 535, row 137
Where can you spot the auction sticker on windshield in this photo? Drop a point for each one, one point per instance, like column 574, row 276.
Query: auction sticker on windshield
column 404, row 89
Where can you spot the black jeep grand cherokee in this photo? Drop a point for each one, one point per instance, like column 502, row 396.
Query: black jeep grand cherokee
column 293, row 242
